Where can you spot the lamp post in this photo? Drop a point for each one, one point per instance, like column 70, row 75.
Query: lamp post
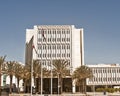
column 51, row 68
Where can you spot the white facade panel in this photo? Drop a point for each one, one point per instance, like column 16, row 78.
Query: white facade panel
column 76, row 57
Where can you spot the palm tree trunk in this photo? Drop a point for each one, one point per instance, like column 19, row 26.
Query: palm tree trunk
column 39, row 84
column 29, row 84
column 10, row 84
column 25, row 85
column 79, row 88
column 60, row 83
column 85, row 86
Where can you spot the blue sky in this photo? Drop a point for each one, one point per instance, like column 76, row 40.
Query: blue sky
column 99, row 18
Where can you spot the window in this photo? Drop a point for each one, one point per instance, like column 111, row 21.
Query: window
column 39, row 55
column 68, row 46
column 48, row 31
column 45, row 46
column 55, row 39
column 45, row 55
column 68, row 39
column 39, row 39
column 69, row 55
column 64, row 39
column 58, row 39
column 48, row 56
column 39, row 46
column 55, row 46
column 68, row 31
column 58, row 46
column 53, row 31
column 64, row 54
column 48, row 47
column 55, row 55
column 48, row 40
column 44, row 31
column 64, row 46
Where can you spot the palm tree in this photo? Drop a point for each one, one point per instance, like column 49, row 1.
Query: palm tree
column 60, row 69
column 46, row 72
column 10, row 70
column 25, row 75
column 37, row 73
column 80, row 75
column 18, row 71
column 36, row 70
column 2, row 60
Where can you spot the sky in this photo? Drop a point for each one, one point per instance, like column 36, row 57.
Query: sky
column 100, row 20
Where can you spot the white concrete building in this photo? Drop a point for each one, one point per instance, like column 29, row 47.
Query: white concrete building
column 56, row 42
column 66, row 42
column 105, row 74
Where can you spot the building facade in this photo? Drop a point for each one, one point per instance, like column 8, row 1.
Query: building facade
column 53, row 42
column 56, row 42
column 104, row 74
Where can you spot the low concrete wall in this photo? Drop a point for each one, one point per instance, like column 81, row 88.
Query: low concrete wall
column 4, row 94
column 19, row 94
column 48, row 95
column 25, row 95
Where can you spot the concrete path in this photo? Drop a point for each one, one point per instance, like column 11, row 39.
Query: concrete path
column 68, row 94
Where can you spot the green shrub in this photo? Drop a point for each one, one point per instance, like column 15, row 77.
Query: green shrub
column 111, row 90
column 100, row 89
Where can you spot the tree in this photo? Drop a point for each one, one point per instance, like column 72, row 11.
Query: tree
column 36, row 70
column 18, row 71
column 25, row 75
column 10, row 70
column 37, row 73
column 61, row 69
column 80, row 75
column 2, row 60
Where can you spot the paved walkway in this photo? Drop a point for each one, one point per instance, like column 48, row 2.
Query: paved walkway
column 68, row 94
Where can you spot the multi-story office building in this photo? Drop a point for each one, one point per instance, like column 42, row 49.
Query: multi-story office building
column 104, row 74
column 56, row 42
column 53, row 42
